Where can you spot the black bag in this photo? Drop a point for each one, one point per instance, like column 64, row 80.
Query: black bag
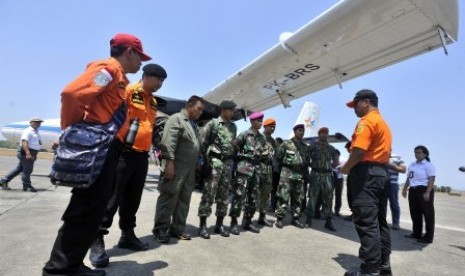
column 81, row 154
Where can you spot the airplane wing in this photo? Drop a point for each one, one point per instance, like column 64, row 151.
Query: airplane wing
column 352, row 38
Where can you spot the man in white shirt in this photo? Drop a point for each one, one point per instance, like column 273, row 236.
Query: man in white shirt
column 29, row 146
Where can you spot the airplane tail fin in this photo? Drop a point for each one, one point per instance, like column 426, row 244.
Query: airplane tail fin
column 309, row 116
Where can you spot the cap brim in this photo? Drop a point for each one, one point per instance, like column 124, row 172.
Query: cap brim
column 144, row 56
column 351, row 104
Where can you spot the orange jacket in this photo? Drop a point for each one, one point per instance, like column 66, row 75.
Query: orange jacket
column 144, row 107
column 95, row 95
column 372, row 134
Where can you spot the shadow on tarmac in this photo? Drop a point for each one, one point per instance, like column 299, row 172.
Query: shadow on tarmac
column 134, row 268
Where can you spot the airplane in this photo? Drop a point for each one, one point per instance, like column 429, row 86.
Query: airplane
column 350, row 39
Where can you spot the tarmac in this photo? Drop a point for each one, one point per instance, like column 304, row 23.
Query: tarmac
column 29, row 224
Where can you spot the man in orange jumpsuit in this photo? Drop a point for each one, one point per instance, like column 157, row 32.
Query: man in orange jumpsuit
column 93, row 97
column 132, row 165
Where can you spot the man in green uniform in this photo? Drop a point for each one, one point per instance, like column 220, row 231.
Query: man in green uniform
column 266, row 170
column 251, row 144
column 218, row 147
column 180, row 147
column 293, row 157
column 323, row 158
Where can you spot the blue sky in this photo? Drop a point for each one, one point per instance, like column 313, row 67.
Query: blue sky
column 45, row 44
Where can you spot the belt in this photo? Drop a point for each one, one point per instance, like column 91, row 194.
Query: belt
column 321, row 170
column 369, row 164
column 293, row 167
column 220, row 156
column 131, row 150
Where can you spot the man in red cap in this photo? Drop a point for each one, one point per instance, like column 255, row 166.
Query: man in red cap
column 251, row 144
column 267, row 169
column 96, row 96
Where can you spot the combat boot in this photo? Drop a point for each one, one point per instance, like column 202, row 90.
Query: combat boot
column 219, row 228
column 203, row 232
column 129, row 240
column 329, row 224
column 308, row 222
column 247, row 225
column 296, row 222
column 234, row 229
column 98, row 257
column 279, row 223
column 263, row 221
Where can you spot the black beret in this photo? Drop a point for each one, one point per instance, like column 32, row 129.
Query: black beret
column 302, row 126
column 227, row 104
column 154, row 70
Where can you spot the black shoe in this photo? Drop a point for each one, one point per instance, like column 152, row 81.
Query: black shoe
column 359, row 273
column 203, row 232
column 180, row 236
column 234, row 229
column 4, row 185
column 413, row 236
column 263, row 221
column 385, row 269
column 248, row 226
column 329, row 225
column 425, row 240
column 279, row 223
column 308, row 222
column 87, row 271
column 29, row 188
column 161, row 236
column 296, row 222
column 348, row 218
column 129, row 240
column 219, row 228
column 98, row 256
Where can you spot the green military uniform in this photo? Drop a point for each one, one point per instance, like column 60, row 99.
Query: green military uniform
column 251, row 147
column 218, row 145
column 321, row 178
column 180, row 143
column 293, row 156
column 266, row 171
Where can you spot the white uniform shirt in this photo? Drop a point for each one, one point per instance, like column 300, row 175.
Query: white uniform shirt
column 418, row 173
column 32, row 137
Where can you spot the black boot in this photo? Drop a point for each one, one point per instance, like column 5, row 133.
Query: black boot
column 329, row 224
column 296, row 222
column 263, row 221
column 279, row 223
column 203, row 232
column 98, row 257
column 234, row 229
column 129, row 240
column 308, row 222
column 219, row 228
column 247, row 225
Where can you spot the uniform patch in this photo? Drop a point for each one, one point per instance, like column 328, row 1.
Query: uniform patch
column 103, row 78
column 137, row 98
column 154, row 104
column 359, row 129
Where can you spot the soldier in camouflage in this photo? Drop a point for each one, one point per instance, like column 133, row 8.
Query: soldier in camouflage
column 218, row 147
column 323, row 158
column 293, row 157
column 251, row 144
column 266, row 170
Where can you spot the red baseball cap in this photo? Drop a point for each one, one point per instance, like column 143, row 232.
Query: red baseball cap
column 128, row 40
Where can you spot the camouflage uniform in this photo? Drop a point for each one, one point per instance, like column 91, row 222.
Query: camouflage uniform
column 266, row 171
column 218, row 145
column 321, row 178
column 293, row 156
column 251, row 148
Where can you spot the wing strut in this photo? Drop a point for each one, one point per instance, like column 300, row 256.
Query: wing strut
column 281, row 98
column 442, row 34
column 337, row 76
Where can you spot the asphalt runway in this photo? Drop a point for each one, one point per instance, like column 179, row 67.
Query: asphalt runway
column 29, row 223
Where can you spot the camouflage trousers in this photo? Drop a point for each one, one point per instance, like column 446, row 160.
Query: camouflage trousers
column 320, row 182
column 289, row 190
column 216, row 188
column 244, row 193
column 264, row 191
